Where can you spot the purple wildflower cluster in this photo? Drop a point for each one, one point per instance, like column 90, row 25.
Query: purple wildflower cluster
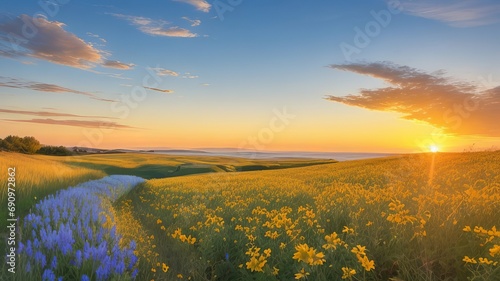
column 68, row 236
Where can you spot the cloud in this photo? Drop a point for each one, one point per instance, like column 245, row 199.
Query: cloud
column 188, row 75
column 103, row 41
column 200, row 5
column 173, row 31
column 457, row 107
column 48, row 40
column 75, row 123
column 48, row 114
column 164, row 72
column 192, row 22
column 40, row 38
column 156, row 27
column 117, row 64
column 44, row 87
column 160, row 90
column 455, row 13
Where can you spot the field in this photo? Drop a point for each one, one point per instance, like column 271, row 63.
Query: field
column 410, row 217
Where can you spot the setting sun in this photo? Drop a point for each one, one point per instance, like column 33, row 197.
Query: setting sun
column 434, row 148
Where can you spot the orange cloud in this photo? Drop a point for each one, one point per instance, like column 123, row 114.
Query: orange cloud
column 456, row 107
column 160, row 90
column 164, row 72
column 44, row 87
column 75, row 123
column 47, row 40
column 200, row 5
column 48, row 114
column 156, row 27
column 117, row 64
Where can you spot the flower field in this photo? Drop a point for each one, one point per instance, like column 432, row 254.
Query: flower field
column 72, row 235
column 416, row 217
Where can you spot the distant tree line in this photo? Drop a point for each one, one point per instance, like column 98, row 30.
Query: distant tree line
column 30, row 145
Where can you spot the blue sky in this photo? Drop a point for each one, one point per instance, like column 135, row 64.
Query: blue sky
column 221, row 81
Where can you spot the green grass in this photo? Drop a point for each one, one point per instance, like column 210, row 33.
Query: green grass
column 153, row 166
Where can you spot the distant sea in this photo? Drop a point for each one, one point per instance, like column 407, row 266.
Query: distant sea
column 339, row 156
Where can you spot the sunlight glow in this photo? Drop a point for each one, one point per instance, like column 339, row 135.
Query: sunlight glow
column 434, row 148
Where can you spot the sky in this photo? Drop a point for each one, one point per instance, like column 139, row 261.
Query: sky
column 336, row 76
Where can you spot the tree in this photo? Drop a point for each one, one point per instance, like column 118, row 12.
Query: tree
column 28, row 145
column 31, row 145
column 54, row 150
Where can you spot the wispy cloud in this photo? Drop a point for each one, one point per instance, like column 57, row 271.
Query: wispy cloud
column 118, row 64
column 97, row 37
column 49, row 41
column 45, row 87
column 156, row 27
column 455, row 13
column 456, row 107
column 200, row 5
column 164, row 72
column 49, row 114
column 173, row 31
column 188, row 75
column 160, row 90
column 192, row 22
column 75, row 123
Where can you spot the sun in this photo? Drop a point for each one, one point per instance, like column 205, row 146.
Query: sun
column 434, row 148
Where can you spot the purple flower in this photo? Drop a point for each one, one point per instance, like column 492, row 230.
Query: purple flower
column 134, row 273
column 53, row 264
column 48, row 275
column 40, row 259
column 69, row 224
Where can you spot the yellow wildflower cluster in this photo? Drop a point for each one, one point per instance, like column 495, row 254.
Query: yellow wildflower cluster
column 367, row 264
column 257, row 260
column 399, row 214
column 308, row 255
column 309, row 217
column 348, row 272
column 332, row 241
column 183, row 238
column 490, row 239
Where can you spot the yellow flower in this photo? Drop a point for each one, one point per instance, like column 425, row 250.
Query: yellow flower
column 332, row 241
column 267, row 252
column 485, row 261
column 466, row 259
column 153, row 269
column 366, row 263
column 158, row 221
column 301, row 274
column 183, row 237
column 180, row 276
column 495, row 250
column 304, row 253
column 348, row 272
column 359, row 250
column 318, row 259
column 467, row 228
column 176, row 233
column 164, row 267
column 348, row 230
column 256, row 264
column 275, row 271
column 308, row 254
